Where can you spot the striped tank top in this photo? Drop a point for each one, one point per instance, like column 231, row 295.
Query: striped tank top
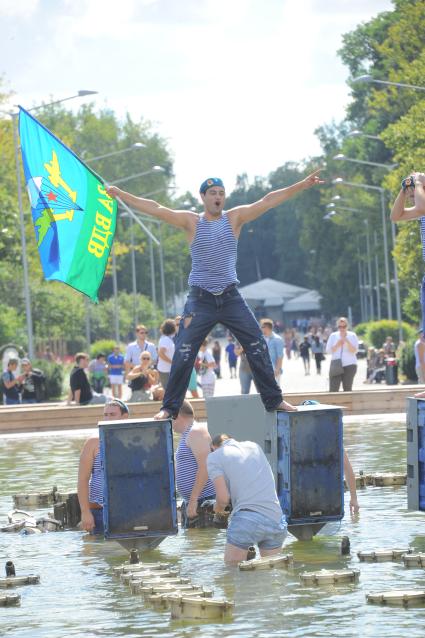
column 96, row 481
column 214, row 254
column 186, row 468
column 422, row 224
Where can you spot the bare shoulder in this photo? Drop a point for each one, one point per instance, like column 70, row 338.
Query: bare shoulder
column 91, row 444
column 198, row 432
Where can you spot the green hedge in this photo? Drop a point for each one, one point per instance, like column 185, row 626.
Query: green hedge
column 407, row 360
column 104, row 346
column 375, row 332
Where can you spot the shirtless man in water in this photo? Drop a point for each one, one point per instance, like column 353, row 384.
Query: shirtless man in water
column 213, row 294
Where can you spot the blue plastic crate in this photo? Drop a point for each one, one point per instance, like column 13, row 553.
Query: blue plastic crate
column 139, row 489
column 310, row 481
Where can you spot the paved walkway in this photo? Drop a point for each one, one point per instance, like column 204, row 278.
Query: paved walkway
column 293, row 379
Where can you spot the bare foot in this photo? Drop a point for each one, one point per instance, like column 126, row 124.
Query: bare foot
column 162, row 414
column 287, row 407
column 419, row 395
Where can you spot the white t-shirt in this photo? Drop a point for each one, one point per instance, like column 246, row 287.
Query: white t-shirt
column 348, row 358
column 209, row 377
column 168, row 344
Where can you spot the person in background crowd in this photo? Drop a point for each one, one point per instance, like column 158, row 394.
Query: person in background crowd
column 389, row 347
column 206, row 370
column 305, row 347
column 294, row 345
column 245, row 373
column 231, row 356
column 287, row 339
column 192, row 480
column 317, row 351
column 242, row 475
column 98, row 370
column 342, row 345
column 275, row 345
column 32, row 383
column 193, row 384
column 135, row 348
column 376, row 366
column 90, row 472
column 216, row 353
column 116, row 372
column 48, row 354
column 419, row 349
column 166, row 350
column 80, row 390
column 11, row 383
column 142, row 378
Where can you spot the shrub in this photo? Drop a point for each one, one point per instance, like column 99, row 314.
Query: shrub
column 104, row 346
column 407, row 360
column 54, row 374
column 378, row 331
column 361, row 329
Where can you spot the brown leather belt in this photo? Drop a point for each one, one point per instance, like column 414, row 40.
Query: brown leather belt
column 95, row 506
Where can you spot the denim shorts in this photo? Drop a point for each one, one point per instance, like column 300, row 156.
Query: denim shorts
column 248, row 528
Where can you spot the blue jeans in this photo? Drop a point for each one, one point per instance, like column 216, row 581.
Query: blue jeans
column 10, row 401
column 201, row 313
column 245, row 378
column 248, row 528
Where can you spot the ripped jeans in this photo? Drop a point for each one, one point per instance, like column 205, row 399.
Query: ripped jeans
column 201, row 312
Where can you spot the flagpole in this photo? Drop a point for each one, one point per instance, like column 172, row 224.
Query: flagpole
column 27, row 296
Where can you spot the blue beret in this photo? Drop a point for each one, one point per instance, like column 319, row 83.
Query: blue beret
column 211, row 181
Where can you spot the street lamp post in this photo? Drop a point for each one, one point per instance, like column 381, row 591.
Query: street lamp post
column 380, row 190
column 27, row 294
column 344, row 158
column 378, row 287
column 369, row 285
column 134, row 146
column 403, row 85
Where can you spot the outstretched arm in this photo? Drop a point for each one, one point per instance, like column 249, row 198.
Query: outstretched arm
column 179, row 218
column 250, row 212
column 399, row 212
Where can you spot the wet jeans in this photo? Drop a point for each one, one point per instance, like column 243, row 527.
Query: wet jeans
column 201, row 312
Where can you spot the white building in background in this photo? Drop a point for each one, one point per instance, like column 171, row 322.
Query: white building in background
column 280, row 301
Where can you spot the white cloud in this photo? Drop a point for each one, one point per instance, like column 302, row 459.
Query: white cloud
column 18, row 8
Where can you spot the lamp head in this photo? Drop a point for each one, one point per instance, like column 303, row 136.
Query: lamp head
column 362, row 78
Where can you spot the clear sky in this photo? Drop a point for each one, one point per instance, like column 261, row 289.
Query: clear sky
column 233, row 85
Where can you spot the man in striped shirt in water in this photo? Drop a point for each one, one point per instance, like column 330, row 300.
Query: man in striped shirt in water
column 90, row 472
column 192, row 479
column 213, row 294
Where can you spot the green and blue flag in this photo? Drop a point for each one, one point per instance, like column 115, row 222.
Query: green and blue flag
column 74, row 218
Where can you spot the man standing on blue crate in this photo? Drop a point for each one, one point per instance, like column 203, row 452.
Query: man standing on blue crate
column 90, row 472
column 242, row 476
column 213, row 294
